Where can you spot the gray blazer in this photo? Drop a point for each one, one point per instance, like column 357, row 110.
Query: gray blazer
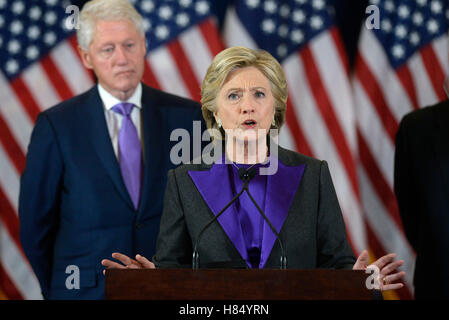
column 313, row 232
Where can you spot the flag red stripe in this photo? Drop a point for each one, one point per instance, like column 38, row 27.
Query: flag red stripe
column 406, row 79
column 11, row 147
column 10, row 220
column 300, row 141
column 185, row 69
column 8, row 286
column 56, row 78
column 335, row 34
column 374, row 244
column 349, row 238
column 26, row 98
column 375, row 94
column 2, row 294
column 383, row 190
column 213, row 38
column 149, row 78
column 434, row 70
column 74, row 44
column 324, row 105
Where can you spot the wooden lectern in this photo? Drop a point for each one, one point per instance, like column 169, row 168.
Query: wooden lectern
column 236, row 284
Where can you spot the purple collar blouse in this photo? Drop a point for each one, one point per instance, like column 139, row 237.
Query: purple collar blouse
column 251, row 221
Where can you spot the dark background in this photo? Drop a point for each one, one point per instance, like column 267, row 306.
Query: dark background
column 349, row 15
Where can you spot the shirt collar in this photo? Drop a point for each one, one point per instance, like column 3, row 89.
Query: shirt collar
column 109, row 100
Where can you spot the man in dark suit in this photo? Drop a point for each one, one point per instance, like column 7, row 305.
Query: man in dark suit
column 421, row 184
column 97, row 164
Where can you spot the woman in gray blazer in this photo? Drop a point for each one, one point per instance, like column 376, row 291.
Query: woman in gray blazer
column 287, row 213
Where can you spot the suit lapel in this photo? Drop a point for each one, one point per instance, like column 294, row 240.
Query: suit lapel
column 281, row 189
column 92, row 116
column 441, row 139
column 214, row 186
column 152, row 128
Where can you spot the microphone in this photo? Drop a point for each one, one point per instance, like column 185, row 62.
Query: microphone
column 246, row 176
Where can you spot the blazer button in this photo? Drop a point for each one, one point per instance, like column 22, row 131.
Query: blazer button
column 139, row 225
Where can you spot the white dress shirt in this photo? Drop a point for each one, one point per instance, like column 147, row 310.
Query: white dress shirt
column 114, row 119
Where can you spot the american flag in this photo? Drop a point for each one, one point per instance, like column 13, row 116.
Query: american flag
column 40, row 66
column 399, row 67
column 348, row 120
column 35, row 72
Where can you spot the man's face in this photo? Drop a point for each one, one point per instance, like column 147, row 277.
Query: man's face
column 116, row 54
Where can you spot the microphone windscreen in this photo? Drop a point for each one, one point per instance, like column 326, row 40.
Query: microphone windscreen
column 247, row 175
column 252, row 172
column 242, row 172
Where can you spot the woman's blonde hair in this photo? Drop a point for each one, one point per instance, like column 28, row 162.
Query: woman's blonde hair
column 96, row 10
column 240, row 57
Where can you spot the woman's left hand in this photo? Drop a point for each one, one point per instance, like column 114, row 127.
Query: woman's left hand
column 386, row 266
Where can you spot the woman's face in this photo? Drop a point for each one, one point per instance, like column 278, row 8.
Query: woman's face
column 245, row 104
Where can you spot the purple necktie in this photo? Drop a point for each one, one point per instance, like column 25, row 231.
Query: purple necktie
column 130, row 152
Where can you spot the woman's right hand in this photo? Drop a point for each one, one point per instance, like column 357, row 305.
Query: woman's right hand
column 140, row 263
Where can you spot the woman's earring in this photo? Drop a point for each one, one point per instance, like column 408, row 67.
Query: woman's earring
column 219, row 123
column 273, row 122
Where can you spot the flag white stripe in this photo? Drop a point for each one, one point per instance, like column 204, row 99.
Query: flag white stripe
column 308, row 115
column 391, row 238
column 13, row 114
column 164, row 69
column 374, row 55
column 441, row 50
column 316, row 131
column 40, row 87
column 71, row 68
column 197, row 52
column 286, row 139
column 9, row 179
column 370, row 126
column 17, row 267
column 425, row 93
column 234, row 33
column 336, row 83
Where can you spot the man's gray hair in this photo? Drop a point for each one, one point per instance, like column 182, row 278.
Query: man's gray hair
column 96, row 10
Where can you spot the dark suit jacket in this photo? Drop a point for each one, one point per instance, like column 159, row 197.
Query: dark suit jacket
column 313, row 232
column 422, row 189
column 74, row 208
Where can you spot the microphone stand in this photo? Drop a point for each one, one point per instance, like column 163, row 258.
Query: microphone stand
column 195, row 258
column 283, row 261
column 245, row 176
